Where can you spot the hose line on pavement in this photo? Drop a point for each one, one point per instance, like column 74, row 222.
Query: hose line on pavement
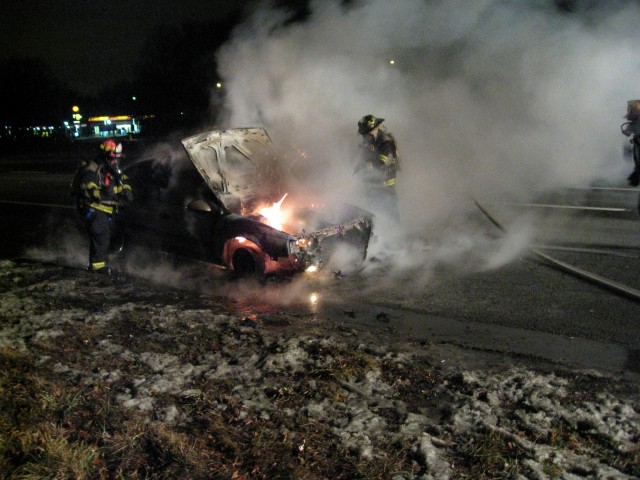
column 578, row 272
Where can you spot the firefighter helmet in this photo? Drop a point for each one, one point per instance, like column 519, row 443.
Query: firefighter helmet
column 110, row 149
column 368, row 123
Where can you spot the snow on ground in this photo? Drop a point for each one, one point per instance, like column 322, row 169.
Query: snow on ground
column 169, row 344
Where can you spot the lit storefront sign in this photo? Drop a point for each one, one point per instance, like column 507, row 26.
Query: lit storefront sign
column 113, row 125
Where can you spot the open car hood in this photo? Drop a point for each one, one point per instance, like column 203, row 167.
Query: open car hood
column 240, row 165
column 244, row 170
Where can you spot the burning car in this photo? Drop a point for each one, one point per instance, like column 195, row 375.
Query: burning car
column 218, row 206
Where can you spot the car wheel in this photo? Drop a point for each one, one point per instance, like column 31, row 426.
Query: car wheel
column 245, row 264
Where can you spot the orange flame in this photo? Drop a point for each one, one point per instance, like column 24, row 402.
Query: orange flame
column 273, row 215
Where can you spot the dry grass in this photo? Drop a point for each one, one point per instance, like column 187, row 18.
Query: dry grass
column 54, row 429
column 52, row 426
column 488, row 455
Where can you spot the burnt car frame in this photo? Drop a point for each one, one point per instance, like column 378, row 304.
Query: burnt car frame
column 204, row 208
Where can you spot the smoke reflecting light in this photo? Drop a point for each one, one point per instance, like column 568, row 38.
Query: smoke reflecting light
column 489, row 100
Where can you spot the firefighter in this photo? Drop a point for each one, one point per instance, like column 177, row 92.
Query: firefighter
column 631, row 129
column 634, row 177
column 378, row 164
column 100, row 187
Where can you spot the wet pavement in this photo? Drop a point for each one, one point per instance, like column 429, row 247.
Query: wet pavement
column 525, row 308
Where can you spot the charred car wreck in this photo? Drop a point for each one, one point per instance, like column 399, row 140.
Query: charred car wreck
column 210, row 208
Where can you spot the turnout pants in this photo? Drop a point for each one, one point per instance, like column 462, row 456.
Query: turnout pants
column 99, row 226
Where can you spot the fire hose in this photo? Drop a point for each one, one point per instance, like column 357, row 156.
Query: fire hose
column 578, row 272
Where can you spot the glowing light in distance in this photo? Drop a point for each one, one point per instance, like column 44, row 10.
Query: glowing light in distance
column 312, row 268
column 392, row 62
column 314, row 297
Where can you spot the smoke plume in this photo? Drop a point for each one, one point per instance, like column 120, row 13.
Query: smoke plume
column 489, row 100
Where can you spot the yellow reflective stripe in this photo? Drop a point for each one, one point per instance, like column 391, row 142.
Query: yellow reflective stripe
column 369, row 166
column 102, row 208
column 383, row 158
column 121, row 188
column 93, row 189
column 390, row 182
column 98, row 265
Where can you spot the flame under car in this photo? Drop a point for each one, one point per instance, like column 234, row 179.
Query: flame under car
column 207, row 208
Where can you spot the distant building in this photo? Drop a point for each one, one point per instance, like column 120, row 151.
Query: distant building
column 112, row 126
column 78, row 128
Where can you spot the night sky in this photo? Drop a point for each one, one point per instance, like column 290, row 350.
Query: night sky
column 91, row 44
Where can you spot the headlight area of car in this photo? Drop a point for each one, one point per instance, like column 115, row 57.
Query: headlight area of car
column 305, row 251
column 312, row 248
column 263, row 250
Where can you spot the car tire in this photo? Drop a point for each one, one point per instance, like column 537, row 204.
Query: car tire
column 245, row 264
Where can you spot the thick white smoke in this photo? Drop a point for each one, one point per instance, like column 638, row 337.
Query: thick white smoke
column 490, row 99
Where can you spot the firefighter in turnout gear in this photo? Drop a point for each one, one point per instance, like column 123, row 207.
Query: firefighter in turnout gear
column 378, row 164
column 100, row 187
column 631, row 129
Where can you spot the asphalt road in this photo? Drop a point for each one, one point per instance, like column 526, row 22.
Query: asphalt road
column 527, row 307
